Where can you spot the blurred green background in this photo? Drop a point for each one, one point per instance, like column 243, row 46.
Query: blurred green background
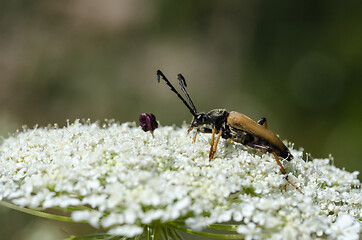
column 297, row 64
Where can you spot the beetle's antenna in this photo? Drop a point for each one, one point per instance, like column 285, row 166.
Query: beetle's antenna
column 182, row 82
column 160, row 74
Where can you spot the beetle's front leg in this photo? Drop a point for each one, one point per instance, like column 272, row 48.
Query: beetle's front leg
column 203, row 130
column 197, row 131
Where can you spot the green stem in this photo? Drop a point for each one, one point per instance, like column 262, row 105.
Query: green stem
column 156, row 232
column 224, row 227
column 205, row 234
column 92, row 236
column 36, row 212
column 173, row 234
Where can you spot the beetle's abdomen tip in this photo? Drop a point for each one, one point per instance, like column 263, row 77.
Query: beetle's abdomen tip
column 289, row 157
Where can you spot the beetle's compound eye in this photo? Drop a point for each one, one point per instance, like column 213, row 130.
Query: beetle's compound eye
column 201, row 118
column 196, row 121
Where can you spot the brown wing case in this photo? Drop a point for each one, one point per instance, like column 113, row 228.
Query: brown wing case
column 242, row 122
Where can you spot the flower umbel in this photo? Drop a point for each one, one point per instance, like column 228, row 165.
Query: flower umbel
column 120, row 179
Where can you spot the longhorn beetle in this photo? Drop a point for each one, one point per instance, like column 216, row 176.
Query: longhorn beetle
column 233, row 126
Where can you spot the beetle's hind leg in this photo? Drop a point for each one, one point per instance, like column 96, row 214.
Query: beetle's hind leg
column 262, row 121
column 267, row 149
column 285, row 173
column 282, row 169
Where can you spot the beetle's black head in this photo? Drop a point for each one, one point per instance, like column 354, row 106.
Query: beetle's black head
column 200, row 119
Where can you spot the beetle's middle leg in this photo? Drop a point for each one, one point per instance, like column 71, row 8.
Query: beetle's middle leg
column 213, row 143
column 262, row 121
column 227, row 147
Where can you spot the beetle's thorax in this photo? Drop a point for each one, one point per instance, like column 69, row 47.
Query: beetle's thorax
column 214, row 118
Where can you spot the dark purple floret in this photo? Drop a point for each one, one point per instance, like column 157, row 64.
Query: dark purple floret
column 148, row 122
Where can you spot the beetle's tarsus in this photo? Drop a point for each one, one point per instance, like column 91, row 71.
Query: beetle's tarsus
column 291, row 183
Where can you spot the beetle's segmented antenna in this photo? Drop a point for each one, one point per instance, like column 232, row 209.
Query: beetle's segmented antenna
column 161, row 75
column 182, row 82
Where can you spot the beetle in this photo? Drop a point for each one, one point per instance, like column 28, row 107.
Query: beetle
column 233, row 126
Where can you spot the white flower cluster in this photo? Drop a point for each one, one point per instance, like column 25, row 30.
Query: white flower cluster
column 121, row 178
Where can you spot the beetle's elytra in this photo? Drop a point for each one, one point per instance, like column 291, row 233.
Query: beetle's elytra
column 232, row 126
